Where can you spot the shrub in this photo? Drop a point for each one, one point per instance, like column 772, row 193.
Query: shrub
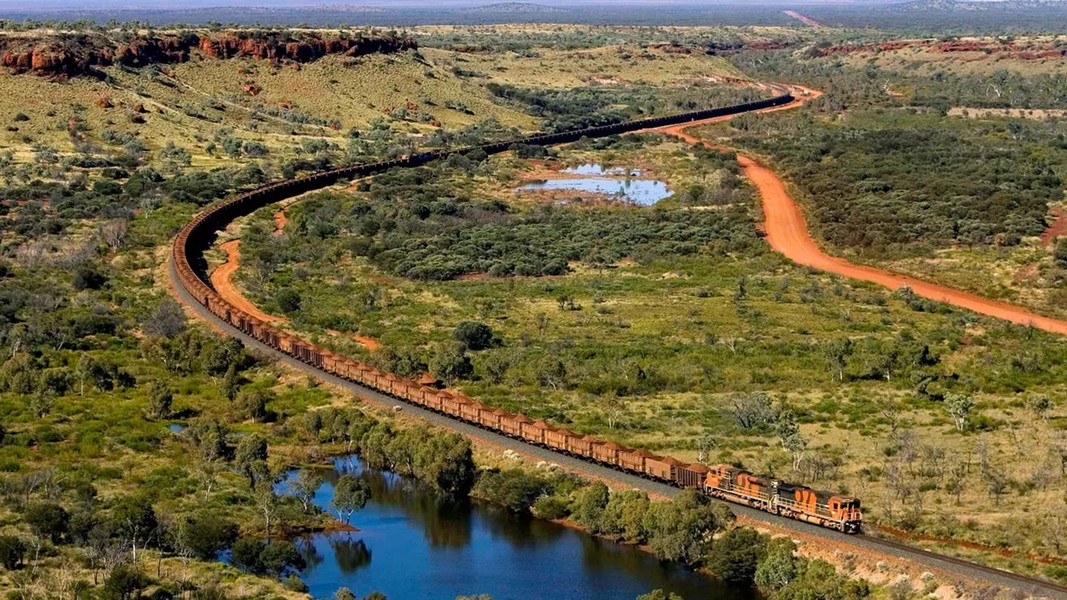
column 47, row 520
column 12, row 550
column 735, row 556
column 288, row 301
column 1060, row 253
column 514, row 489
column 207, row 533
column 474, row 335
column 88, row 278
column 551, row 508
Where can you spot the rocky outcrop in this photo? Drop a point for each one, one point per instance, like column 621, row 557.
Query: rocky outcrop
column 63, row 56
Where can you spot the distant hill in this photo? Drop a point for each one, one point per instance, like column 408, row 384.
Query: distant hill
column 518, row 8
column 978, row 5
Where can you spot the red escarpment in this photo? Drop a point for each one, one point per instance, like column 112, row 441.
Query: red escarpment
column 71, row 55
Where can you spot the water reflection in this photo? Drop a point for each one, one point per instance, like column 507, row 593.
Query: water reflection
column 619, row 184
column 639, row 191
column 595, row 169
column 412, row 544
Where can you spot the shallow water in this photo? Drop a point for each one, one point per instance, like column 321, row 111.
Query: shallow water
column 639, row 191
column 410, row 544
column 596, row 169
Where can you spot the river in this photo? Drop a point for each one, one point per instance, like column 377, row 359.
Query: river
column 412, row 544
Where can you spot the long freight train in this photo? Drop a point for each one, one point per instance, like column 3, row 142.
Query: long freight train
column 722, row 481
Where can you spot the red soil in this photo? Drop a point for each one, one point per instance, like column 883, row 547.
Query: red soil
column 1057, row 229
column 280, row 221
column 787, row 233
column 222, row 279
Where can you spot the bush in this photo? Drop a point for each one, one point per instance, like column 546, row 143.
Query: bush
column 551, row 507
column 288, row 301
column 514, row 489
column 207, row 533
column 735, row 556
column 474, row 335
column 88, row 278
column 1060, row 253
column 12, row 550
column 47, row 520
column 124, row 583
column 259, row 557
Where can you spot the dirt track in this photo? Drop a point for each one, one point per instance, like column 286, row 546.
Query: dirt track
column 787, row 233
column 222, row 280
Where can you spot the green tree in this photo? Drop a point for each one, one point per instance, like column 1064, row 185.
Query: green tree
column 247, row 554
column 450, row 364
column 280, row 556
column 206, row 533
column 959, row 407
column 47, row 520
column 1060, row 253
column 124, row 583
column 349, row 495
column 160, row 400
column 251, row 457
column 289, row 301
column 252, row 404
column 446, row 462
column 12, row 551
column 819, row 579
column 231, row 383
column 778, row 567
column 624, row 516
column 304, row 486
column 134, row 520
column 474, row 335
column 681, row 530
column 588, row 509
column 736, row 555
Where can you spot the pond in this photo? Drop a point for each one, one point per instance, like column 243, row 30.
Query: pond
column 411, row 544
column 620, row 185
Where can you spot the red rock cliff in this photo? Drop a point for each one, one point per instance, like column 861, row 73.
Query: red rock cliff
column 74, row 55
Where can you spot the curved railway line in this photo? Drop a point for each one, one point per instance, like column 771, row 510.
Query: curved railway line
column 187, row 269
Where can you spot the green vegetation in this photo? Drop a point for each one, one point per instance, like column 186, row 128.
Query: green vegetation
column 689, row 529
column 671, row 327
column 698, row 347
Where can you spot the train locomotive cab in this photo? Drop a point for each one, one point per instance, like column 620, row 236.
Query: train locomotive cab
column 816, row 506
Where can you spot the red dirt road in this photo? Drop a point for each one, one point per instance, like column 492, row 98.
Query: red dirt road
column 787, row 233
column 222, row 279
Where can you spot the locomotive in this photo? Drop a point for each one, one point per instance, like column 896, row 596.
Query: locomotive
column 721, row 481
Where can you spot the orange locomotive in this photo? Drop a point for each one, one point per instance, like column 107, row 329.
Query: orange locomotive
column 786, row 499
column 724, row 482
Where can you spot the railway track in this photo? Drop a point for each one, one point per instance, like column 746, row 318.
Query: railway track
column 187, row 266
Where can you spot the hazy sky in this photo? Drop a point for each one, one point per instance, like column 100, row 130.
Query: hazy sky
column 23, row 5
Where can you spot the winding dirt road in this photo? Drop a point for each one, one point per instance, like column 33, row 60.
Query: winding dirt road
column 787, row 232
column 222, row 280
